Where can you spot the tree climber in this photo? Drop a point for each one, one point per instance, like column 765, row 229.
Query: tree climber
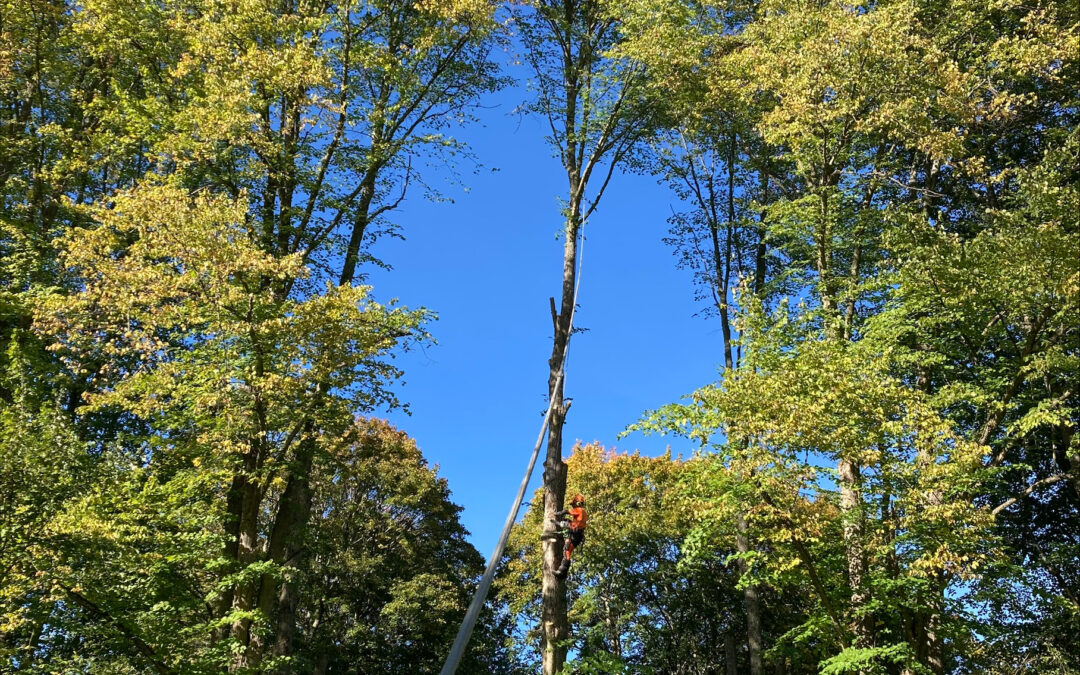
column 575, row 530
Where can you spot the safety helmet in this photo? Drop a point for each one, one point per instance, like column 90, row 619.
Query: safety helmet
column 578, row 499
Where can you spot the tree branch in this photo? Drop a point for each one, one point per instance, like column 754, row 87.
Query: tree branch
column 1037, row 485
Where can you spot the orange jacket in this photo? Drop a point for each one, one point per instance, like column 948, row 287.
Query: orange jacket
column 577, row 518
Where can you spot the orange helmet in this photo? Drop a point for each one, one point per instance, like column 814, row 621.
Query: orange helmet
column 578, row 499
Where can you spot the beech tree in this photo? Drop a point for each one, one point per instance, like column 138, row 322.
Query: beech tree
column 276, row 137
column 871, row 165
column 591, row 99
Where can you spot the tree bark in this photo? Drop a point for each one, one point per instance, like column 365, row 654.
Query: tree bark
column 752, row 600
column 247, row 553
column 851, row 508
column 554, row 621
column 730, row 667
column 286, row 548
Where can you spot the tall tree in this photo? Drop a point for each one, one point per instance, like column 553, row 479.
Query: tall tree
column 590, row 100
column 885, row 147
column 305, row 116
column 314, row 125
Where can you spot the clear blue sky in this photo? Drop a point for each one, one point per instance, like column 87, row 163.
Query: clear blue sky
column 487, row 264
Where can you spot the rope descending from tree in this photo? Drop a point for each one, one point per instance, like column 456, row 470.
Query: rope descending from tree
column 479, row 597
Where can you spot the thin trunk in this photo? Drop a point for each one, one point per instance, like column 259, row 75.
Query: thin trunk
column 851, row 507
column 359, row 227
column 554, row 621
column 753, row 602
column 760, row 251
column 730, row 667
column 33, row 644
column 613, row 639
column 723, row 264
column 824, row 256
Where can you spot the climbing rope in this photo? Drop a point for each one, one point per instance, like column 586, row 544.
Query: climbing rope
column 467, row 624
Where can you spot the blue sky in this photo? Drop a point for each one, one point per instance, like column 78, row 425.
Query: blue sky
column 487, row 264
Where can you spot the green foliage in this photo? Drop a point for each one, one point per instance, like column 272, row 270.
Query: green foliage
column 648, row 596
column 917, row 324
column 179, row 358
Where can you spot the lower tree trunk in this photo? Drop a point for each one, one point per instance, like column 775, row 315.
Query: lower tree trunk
column 234, row 503
column 753, row 602
column 554, row 622
column 286, row 548
column 244, row 595
column 730, row 667
column 852, row 510
column 935, row 646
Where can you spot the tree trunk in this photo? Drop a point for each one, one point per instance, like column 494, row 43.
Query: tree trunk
column 359, row 227
column 554, row 621
column 753, row 602
column 852, row 511
column 730, row 667
column 613, row 638
column 286, row 548
column 244, row 599
column 234, row 503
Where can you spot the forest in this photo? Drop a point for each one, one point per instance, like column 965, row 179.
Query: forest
column 876, row 202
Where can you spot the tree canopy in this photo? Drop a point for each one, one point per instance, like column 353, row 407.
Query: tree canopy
column 877, row 203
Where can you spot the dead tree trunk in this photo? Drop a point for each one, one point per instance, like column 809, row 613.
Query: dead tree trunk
column 554, row 621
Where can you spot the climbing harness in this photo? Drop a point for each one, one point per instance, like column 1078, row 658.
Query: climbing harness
column 467, row 624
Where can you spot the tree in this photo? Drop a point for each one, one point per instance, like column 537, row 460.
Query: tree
column 303, row 119
column 655, row 587
column 217, row 366
column 870, row 111
column 591, row 101
column 391, row 568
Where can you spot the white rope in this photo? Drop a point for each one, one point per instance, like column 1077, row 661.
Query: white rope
column 469, row 622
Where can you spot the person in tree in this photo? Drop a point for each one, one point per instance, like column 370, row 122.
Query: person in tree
column 576, row 530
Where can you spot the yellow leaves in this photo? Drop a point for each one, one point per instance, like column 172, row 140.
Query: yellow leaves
column 944, row 560
column 462, row 11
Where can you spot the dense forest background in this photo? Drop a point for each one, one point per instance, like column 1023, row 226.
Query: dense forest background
column 877, row 201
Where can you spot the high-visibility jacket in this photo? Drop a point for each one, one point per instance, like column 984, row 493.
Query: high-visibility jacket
column 577, row 517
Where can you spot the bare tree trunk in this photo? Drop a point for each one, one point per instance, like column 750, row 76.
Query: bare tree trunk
column 554, row 621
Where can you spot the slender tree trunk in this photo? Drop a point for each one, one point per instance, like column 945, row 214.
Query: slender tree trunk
column 359, row 227
column 730, row 667
column 753, row 602
column 244, row 599
column 613, row 639
column 760, row 269
column 554, row 621
column 851, row 507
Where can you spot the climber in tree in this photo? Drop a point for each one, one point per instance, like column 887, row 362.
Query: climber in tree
column 576, row 530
